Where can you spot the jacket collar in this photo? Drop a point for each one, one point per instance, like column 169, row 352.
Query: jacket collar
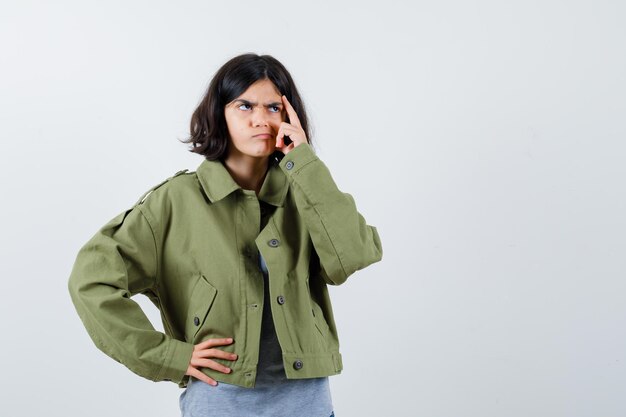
column 218, row 183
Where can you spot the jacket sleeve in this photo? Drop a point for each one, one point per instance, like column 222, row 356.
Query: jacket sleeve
column 119, row 261
column 340, row 235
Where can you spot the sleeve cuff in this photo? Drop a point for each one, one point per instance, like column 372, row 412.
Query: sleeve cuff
column 297, row 159
column 177, row 362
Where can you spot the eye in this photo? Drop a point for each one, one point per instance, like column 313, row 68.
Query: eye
column 277, row 109
column 243, row 104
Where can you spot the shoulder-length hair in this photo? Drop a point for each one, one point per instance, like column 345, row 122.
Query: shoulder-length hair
column 208, row 130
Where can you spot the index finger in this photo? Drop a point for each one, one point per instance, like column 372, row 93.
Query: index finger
column 293, row 117
column 214, row 342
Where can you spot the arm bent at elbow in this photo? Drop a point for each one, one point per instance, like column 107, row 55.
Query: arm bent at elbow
column 118, row 262
column 343, row 240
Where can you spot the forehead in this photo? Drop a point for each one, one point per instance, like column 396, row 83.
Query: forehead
column 264, row 89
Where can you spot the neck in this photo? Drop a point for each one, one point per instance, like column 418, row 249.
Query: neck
column 247, row 171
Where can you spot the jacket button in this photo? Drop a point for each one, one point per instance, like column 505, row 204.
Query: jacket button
column 298, row 364
column 196, row 321
column 281, row 300
column 273, row 242
column 289, row 164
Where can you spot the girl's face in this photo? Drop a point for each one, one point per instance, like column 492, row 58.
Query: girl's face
column 253, row 120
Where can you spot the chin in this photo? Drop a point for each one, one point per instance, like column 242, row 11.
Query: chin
column 264, row 153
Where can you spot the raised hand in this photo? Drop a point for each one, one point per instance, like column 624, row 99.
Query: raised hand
column 293, row 130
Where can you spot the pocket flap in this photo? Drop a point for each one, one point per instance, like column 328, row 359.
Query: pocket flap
column 202, row 298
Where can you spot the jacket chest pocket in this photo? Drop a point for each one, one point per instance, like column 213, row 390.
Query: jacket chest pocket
column 202, row 299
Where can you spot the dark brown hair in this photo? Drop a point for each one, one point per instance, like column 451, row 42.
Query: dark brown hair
column 208, row 129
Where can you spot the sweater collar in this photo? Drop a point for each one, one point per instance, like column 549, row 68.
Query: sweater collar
column 218, row 183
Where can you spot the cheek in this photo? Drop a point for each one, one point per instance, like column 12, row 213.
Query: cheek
column 235, row 122
column 278, row 119
column 229, row 120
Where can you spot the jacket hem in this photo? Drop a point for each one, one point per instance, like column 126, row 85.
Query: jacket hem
column 313, row 366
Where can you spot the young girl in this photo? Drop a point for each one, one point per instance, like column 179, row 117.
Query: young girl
column 236, row 255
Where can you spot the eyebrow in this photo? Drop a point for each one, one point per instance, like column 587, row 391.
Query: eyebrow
column 274, row 103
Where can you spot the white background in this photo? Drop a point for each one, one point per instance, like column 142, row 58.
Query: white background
column 484, row 139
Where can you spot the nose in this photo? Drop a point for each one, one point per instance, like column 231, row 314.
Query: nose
column 260, row 121
column 259, row 118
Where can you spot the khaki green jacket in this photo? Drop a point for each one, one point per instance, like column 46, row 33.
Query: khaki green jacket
column 190, row 244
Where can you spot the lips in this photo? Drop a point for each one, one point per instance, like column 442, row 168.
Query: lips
column 263, row 136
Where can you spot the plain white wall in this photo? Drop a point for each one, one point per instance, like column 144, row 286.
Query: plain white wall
column 484, row 139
